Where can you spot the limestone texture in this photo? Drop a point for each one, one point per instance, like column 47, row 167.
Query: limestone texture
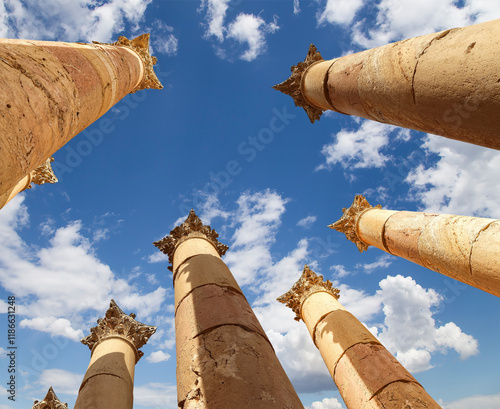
column 51, row 91
column 464, row 248
column 444, row 83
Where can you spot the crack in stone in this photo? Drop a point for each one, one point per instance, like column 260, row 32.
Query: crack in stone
column 99, row 374
column 438, row 37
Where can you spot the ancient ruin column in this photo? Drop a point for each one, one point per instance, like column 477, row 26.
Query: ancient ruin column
column 445, row 83
column 461, row 247
column 51, row 401
column 39, row 176
column 366, row 374
column 224, row 358
column 51, row 91
column 115, row 343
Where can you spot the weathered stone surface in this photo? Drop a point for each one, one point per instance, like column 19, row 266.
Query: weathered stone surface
column 316, row 307
column 212, row 306
column 485, row 259
column 443, row 83
column 230, row 368
column 402, row 395
column 370, row 227
column 109, row 380
column 190, row 248
column 365, row 369
column 200, row 270
column 445, row 244
column 51, row 91
column 402, row 232
column 337, row 332
column 51, row 401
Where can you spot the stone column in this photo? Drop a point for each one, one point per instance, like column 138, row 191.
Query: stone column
column 461, row 247
column 444, row 83
column 51, row 91
column 39, row 176
column 51, row 401
column 224, row 358
column 115, row 343
column 366, row 374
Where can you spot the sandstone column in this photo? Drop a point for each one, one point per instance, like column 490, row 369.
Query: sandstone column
column 115, row 343
column 445, row 83
column 461, row 247
column 367, row 375
column 51, row 91
column 39, row 176
column 51, row 401
column 224, row 358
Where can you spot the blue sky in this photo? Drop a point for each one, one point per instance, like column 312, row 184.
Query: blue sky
column 218, row 138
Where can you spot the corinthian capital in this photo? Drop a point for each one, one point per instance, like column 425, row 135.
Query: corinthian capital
column 50, row 401
column 308, row 283
column 192, row 227
column 43, row 174
column 293, row 85
column 117, row 323
column 348, row 223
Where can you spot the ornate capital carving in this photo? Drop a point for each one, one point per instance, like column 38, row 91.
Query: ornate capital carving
column 43, row 174
column 141, row 46
column 50, row 401
column 349, row 221
column 117, row 323
column 308, row 283
column 192, row 227
column 293, row 85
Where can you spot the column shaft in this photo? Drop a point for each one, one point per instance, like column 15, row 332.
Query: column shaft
column 224, row 358
column 366, row 374
column 109, row 380
column 51, row 91
column 443, row 83
column 461, row 247
column 115, row 344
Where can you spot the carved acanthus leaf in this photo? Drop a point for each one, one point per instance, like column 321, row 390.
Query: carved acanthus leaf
column 347, row 224
column 293, row 85
column 192, row 227
column 117, row 323
column 43, row 174
column 308, row 283
column 50, row 401
column 141, row 46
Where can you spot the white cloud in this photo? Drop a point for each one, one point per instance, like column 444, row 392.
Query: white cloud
column 339, row 11
column 383, row 261
column 306, row 222
column 162, row 39
column 246, row 29
column 257, row 219
column 61, row 380
column 409, row 330
column 296, row 6
column 158, row 356
column 70, row 20
column 339, row 270
column 35, row 276
column 250, row 29
column 327, row 403
column 54, row 326
column 157, row 257
column 155, row 395
column 400, row 19
column 216, row 13
column 461, row 182
column 476, row 402
column 361, row 148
